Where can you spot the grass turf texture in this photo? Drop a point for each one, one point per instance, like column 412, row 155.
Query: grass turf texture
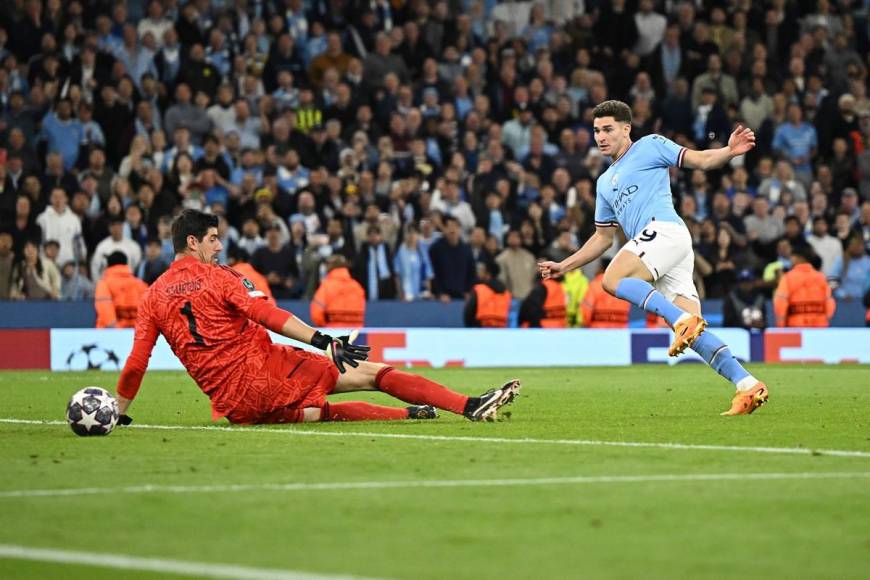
column 697, row 529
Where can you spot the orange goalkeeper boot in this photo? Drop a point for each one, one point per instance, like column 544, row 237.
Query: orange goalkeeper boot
column 686, row 331
column 745, row 402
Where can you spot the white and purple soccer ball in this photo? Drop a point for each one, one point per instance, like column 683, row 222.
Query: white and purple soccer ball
column 92, row 411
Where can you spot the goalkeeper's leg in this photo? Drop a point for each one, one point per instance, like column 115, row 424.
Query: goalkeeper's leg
column 422, row 391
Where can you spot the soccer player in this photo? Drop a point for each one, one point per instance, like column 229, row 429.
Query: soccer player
column 635, row 193
column 215, row 321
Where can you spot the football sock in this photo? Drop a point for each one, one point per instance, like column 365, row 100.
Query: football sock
column 419, row 390
column 360, row 411
column 717, row 354
column 642, row 294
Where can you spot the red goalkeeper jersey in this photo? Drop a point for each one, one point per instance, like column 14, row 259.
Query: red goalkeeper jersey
column 213, row 319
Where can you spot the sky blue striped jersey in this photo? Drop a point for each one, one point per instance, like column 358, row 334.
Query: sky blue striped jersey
column 637, row 188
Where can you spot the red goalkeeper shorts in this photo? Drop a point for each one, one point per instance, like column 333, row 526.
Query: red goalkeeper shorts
column 290, row 380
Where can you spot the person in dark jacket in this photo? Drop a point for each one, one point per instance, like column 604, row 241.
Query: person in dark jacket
column 744, row 306
column 374, row 267
column 452, row 264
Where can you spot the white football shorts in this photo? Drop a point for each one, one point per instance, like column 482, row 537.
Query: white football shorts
column 665, row 248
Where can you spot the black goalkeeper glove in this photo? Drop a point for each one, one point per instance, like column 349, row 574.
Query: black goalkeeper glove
column 341, row 349
column 125, row 420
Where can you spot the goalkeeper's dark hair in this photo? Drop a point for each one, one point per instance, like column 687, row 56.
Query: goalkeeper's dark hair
column 616, row 109
column 191, row 222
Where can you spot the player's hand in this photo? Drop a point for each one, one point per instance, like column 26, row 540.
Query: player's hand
column 343, row 351
column 549, row 270
column 125, row 420
column 741, row 140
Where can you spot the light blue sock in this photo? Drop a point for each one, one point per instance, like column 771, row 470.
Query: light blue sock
column 718, row 355
column 642, row 294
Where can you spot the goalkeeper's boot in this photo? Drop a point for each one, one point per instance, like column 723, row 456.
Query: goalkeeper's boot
column 422, row 412
column 486, row 406
column 745, row 402
column 686, row 331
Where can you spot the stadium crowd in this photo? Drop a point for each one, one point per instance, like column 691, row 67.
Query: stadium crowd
column 419, row 139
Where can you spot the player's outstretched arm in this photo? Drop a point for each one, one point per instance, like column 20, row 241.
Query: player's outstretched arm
column 596, row 245
column 340, row 349
column 742, row 140
column 134, row 369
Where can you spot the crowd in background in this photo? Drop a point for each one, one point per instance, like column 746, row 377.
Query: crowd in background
column 420, row 138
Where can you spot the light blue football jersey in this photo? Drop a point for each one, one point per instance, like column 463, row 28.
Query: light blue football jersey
column 636, row 189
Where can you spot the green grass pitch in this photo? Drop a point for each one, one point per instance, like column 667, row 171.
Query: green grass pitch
column 370, row 520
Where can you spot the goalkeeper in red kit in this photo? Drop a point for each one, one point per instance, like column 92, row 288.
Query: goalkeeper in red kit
column 215, row 321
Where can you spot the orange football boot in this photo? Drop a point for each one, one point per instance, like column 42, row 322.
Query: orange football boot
column 745, row 402
column 686, row 332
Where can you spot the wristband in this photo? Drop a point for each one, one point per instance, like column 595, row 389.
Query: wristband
column 320, row 340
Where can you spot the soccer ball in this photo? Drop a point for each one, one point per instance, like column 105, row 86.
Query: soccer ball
column 92, row 411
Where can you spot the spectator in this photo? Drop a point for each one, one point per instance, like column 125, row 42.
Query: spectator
column 7, row 265
column 721, row 84
column 852, row 271
column 381, row 62
column 117, row 295
column 333, row 57
column 412, row 267
column 60, row 224
column 453, row 265
column 489, row 303
column 743, row 306
column 803, row 297
column 826, row 247
column 74, row 283
column 796, row 141
column 156, row 24
column 518, row 267
column 154, row 263
column 115, row 242
column 373, row 269
column 62, row 133
column 340, row 301
column 35, row 278
column 277, row 263
column 185, row 115
column 650, row 28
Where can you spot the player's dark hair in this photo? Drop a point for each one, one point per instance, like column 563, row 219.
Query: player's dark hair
column 616, row 109
column 191, row 222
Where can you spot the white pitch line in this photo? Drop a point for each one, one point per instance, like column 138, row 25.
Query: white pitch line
column 431, row 483
column 159, row 565
column 470, row 439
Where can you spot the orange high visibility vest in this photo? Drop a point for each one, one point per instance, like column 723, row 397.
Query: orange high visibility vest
column 602, row 310
column 340, row 301
column 803, row 298
column 492, row 307
column 117, row 297
column 555, row 314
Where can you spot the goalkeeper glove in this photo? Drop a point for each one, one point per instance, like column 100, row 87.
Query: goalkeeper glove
column 125, row 420
column 341, row 349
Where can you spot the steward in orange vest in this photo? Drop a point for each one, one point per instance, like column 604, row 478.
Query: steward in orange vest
column 340, row 301
column 237, row 259
column 600, row 309
column 545, row 306
column 118, row 293
column 803, row 296
column 489, row 303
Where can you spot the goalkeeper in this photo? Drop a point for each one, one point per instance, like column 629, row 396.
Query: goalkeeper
column 216, row 321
